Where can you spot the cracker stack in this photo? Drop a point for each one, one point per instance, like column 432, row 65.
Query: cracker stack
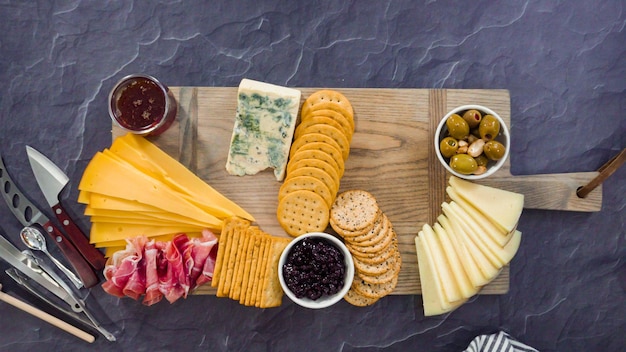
column 245, row 269
column 370, row 237
column 316, row 163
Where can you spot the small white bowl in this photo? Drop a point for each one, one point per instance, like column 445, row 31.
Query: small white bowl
column 503, row 137
column 324, row 301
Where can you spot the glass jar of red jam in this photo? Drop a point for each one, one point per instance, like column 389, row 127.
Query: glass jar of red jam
column 142, row 105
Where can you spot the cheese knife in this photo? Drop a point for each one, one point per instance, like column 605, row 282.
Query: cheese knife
column 51, row 181
column 28, row 214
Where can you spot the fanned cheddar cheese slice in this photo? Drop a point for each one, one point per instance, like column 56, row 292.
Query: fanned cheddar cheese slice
column 432, row 296
column 148, row 157
column 107, row 232
column 106, row 176
column 97, row 215
column 502, row 207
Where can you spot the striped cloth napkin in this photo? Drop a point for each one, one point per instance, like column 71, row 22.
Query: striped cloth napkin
column 499, row 342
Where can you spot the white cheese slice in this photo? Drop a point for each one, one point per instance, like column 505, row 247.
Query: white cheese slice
column 502, row 207
column 264, row 126
column 432, row 296
column 504, row 257
column 465, row 287
column 495, row 232
column 449, row 286
column 488, row 270
column 483, row 244
column 511, row 248
column 470, row 266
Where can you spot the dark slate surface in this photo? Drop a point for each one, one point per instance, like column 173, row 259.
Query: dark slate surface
column 563, row 62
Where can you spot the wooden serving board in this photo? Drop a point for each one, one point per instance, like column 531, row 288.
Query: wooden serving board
column 392, row 156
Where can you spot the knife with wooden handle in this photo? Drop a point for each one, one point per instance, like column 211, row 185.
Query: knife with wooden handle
column 51, row 181
column 28, row 214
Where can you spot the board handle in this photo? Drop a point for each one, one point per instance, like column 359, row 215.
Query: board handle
column 604, row 172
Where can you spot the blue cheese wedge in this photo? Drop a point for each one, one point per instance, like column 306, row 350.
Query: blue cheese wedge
column 264, row 126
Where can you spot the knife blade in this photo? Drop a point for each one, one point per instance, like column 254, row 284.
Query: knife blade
column 52, row 180
column 28, row 214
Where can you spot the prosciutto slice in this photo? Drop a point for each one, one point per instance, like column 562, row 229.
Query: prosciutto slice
column 160, row 270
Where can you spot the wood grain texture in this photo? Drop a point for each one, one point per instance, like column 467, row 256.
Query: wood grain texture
column 392, row 157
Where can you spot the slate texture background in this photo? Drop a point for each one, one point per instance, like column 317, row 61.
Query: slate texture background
column 564, row 63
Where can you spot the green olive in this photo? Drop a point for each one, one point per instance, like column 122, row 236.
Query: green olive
column 463, row 164
column 448, row 147
column 481, row 160
column 457, row 127
column 472, row 117
column 494, row 150
column 489, row 128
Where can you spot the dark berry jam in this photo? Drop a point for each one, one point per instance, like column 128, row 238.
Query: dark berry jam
column 314, row 268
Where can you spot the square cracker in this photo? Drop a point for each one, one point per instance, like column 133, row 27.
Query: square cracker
column 263, row 270
column 253, row 271
column 238, row 234
column 247, row 265
column 239, row 263
column 272, row 293
column 222, row 248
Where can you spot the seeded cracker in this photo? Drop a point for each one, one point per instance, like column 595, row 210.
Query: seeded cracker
column 354, row 210
column 356, row 299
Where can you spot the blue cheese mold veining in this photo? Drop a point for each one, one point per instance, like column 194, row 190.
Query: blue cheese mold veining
column 264, row 126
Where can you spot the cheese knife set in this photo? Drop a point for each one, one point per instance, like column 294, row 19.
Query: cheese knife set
column 62, row 284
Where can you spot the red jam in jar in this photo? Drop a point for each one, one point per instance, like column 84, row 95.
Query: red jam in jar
column 142, row 105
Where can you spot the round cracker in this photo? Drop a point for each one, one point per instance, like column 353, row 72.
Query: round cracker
column 314, row 120
column 327, row 99
column 333, row 152
column 318, row 155
column 306, row 183
column 346, row 123
column 356, row 299
column 317, row 173
column 377, row 244
column 375, row 258
column 392, row 272
column 374, row 290
column 378, row 240
column 302, row 211
column 375, row 230
column 312, row 138
column 319, row 164
column 354, row 210
column 334, row 133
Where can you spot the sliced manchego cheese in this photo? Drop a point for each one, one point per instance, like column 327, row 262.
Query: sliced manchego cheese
column 502, row 207
column 105, row 176
column 147, row 156
column 441, row 266
column 488, row 270
column 463, row 283
column 504, row 257
column 432, row 295
column 479, row 239
column 474, row 274
column 495, row 232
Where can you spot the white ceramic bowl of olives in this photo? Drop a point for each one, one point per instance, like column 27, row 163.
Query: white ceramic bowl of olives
column 472, row 142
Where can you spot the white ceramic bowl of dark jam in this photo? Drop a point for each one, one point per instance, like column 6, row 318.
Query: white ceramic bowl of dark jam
column 316, row 270
column 142, row 105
